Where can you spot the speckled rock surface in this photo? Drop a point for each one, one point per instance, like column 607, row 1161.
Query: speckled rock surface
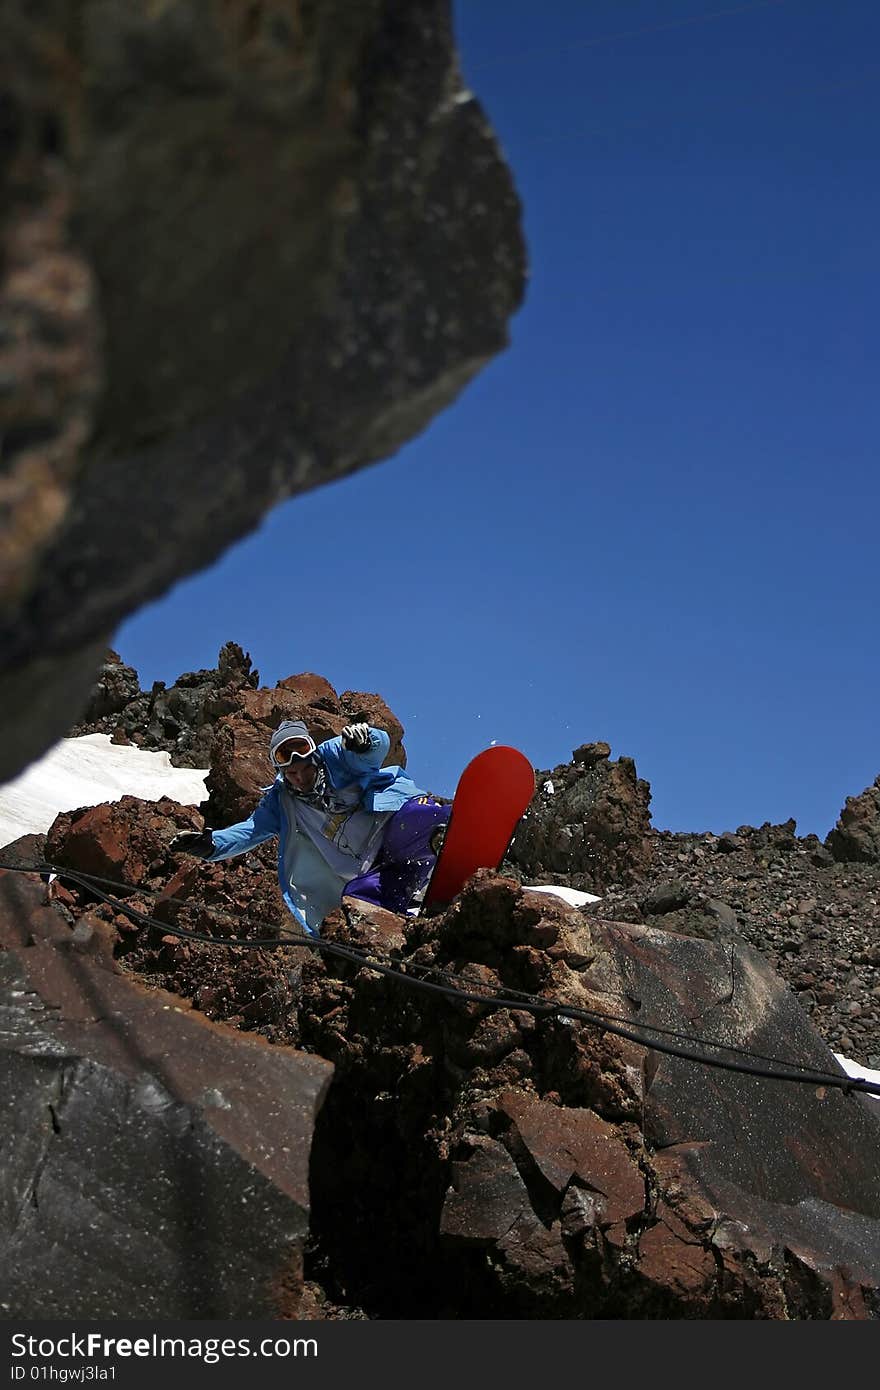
column 155, row 1164
column 590, row 821
column 856, row 836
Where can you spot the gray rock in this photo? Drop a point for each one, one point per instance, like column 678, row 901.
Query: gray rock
column 666, row 897
column 728, row 843
column 856, row 836
column 724, row 916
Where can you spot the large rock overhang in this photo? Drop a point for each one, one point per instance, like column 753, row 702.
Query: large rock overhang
column 251, row 250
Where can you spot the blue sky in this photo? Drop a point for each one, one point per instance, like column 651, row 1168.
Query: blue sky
column 653, row 519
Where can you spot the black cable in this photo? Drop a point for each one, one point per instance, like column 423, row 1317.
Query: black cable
column 356, row 956
column 516, row 1000
column 353, row 954
column 780, row 1071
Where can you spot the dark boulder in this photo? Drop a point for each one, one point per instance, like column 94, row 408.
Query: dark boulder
column 158, row 1164
column 117, row 686
column 856, row 836
column 590, row 820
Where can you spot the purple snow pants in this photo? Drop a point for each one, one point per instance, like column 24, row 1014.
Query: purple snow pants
column 406, row 859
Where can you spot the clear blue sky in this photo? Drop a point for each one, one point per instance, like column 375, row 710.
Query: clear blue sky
column 654, row 518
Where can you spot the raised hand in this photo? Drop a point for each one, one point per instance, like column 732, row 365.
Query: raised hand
column 356, row 738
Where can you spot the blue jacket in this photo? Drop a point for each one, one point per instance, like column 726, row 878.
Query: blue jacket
column 382, row 789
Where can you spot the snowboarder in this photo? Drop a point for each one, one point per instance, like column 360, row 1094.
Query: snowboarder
column 345, row 824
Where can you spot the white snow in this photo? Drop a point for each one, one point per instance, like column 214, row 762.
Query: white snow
column 87, row 771
column 855, row 1069
column 571, row 895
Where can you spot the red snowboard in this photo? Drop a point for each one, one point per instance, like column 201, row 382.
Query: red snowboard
column 492, row 794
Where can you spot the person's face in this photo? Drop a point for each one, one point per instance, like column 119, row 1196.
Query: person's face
column 300, row 776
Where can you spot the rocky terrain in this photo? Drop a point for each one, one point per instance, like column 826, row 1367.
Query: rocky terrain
column 504, row 1163
column 811, row 909
column 202, row 1115
column 816, row 921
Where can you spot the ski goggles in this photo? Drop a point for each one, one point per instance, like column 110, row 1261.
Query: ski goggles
column 292, row 750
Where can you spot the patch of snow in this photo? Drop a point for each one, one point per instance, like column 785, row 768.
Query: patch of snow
column 856, row 1069
column 571, row 895
column 87, row 771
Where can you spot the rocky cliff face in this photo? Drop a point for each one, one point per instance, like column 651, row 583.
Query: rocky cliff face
column 181, row 720
column 244, row 249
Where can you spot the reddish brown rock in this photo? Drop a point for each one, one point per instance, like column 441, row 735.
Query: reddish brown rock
column 535, row 1256
column 589, row 1176
column 315, row 691
column 589, row 754
column 488, row 1205
column 117, row 840
column 365, row 925
column 486, row 1197
column 372, row 709
column 168, row 904
column 96, row 840
column 240, row 767
column 673, row 1258
column 568, row 1142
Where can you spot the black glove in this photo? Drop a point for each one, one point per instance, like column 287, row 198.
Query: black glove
column 197, row 842
column 356, row 738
